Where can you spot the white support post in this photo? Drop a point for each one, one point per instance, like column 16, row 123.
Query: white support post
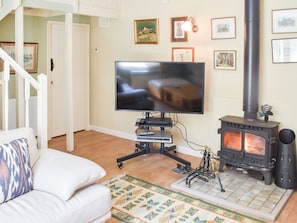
column 19, row 55
column 42, row 112
column 69, row 81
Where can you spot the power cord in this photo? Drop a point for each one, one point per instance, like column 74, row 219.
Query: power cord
column 184, row 136
column 191, row 144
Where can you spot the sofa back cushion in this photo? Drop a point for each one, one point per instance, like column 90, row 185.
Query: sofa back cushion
column 62, row 174
column 24, row 132
column 16, row 174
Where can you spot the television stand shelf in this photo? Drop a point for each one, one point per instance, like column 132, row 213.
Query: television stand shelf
column 145, row 137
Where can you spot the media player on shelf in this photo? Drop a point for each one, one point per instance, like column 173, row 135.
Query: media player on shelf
column 153, row 136
column 146, row 133
column 154, row 121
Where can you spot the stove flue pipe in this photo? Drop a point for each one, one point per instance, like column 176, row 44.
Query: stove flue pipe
column 251, row 59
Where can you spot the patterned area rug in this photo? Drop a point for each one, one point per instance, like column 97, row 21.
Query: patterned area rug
column 242, row 193
column 135, row 200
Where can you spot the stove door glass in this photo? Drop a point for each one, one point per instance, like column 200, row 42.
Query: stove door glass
column 254, row 144
column 233, row 140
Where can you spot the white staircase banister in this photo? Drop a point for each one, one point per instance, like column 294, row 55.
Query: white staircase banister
column 40, row 85
column 18, row 69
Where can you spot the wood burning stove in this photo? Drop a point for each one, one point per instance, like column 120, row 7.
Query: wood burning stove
column 249, row 144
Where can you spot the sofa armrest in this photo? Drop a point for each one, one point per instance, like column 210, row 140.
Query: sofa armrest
column 61, row 174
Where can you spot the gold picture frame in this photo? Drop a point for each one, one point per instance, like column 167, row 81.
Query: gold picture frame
column 183, row 54
column 146, row 31
column 30, row 55
column 177, row 33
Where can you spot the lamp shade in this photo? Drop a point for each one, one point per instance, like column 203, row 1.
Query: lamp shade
column 187, row 26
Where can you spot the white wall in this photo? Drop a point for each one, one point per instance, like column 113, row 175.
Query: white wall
column 224, row 88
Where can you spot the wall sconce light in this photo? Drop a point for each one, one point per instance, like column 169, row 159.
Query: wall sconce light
column 190, row 24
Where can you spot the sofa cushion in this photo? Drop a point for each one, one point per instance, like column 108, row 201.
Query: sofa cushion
column 23, row 132
column 61, row 174
column 16, row 173
column 39, row 207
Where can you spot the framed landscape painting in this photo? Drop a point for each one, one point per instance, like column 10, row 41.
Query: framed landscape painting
column 146, row 31
column 223, row 28
column 284, row 21
column 30, row 55
column 225, row 59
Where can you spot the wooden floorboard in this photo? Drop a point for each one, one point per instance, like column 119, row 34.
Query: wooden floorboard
column 156, row 168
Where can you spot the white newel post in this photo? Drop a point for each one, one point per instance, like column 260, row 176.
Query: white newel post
column 42, row 111
column 69, row 81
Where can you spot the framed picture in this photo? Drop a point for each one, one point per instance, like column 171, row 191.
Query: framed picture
column 284, row 21
column 30, row 55
column 223, row 28
column 177, row 33
column 183, row 54
column 224, row 59
column 284, row 50
column 146, row 31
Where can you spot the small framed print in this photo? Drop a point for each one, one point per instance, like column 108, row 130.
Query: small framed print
column 284, row 50
column 177, row 33
column 146, row 31
column 223, row 28
column 284, row 21
column 30, row 55
column 183, row 54
column 224, row 59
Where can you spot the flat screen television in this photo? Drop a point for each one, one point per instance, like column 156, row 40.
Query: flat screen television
column 166, row 87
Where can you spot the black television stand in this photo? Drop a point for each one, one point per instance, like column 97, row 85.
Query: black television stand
column 145, row 138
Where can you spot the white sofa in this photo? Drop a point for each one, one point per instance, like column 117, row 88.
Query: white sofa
column 63, row 186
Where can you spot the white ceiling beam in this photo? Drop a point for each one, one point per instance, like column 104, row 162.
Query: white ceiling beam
column 51, row 5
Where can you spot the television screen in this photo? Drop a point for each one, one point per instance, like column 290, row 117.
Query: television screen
column 169, row 87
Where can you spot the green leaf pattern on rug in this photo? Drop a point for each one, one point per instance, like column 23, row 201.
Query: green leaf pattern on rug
column 138, row 201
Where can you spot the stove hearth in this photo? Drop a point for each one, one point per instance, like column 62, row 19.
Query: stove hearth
column 249, row 144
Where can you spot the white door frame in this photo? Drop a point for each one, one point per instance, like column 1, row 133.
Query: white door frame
column 68, row 68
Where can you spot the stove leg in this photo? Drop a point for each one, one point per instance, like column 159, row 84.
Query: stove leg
column 267, row 177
